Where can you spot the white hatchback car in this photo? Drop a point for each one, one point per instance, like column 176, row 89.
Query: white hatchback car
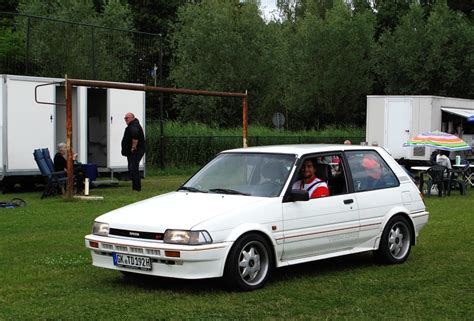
column 238, row 217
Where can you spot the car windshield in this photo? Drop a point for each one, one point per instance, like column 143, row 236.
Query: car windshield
column 251, row 174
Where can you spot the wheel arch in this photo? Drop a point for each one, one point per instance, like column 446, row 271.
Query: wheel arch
column 255, row 229
column 405, row 215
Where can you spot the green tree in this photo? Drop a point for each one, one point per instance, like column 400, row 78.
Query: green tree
column 8, row 5
column 291, row 10
column 114, row 49
column 401, row 55
column 11, row 50
column 431, row 55
column 466, row 7
column 222, row 46
column 388, row 14
column 328, row 67
column 11, row 45
column 449, row 66
column 80, row 51
column 157, row 17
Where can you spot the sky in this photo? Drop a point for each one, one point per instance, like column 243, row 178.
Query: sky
column 267, row 7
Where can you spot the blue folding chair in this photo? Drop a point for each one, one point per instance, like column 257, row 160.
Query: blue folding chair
column 54, row 181
column 48, row 159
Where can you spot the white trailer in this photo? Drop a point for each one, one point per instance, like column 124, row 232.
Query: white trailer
column 392, row 120
column 98, row 124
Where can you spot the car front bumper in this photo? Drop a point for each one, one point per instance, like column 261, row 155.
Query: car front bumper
column 194, row 262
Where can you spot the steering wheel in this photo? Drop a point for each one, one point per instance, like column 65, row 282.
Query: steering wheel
column 270, row 188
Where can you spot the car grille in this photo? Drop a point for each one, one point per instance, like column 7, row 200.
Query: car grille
column 109, row 248
column 136, row 234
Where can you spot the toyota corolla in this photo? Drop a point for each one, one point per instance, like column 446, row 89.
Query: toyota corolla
column 251, row 210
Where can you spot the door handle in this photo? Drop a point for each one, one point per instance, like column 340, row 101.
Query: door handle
column 349, row 201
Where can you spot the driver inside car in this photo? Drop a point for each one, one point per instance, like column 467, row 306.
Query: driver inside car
column 314, row 186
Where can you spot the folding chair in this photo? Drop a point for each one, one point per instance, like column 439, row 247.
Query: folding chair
column 439, row 177
column 47, row 157
column 456, row 179
column 468, row 175
column 54, row 181
column 469, row 179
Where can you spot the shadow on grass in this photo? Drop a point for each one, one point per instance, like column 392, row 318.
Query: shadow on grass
column 312, row 269
column 156, row 283
column 324, row 267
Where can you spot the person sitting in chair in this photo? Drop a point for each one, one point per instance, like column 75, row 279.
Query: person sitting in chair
column 310, row 183
column 443, row 159
column 60, row 164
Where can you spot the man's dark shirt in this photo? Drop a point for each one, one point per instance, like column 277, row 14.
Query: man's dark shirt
column 133, row 131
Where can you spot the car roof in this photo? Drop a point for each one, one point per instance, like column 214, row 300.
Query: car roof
column 300, row 149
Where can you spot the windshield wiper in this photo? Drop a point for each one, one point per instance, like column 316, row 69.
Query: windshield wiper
column 190, row 189
column 227, row 191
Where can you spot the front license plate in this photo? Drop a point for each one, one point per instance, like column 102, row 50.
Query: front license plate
column 132, row 261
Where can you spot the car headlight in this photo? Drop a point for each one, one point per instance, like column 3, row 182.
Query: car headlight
column 101, row 229
column 187, row 237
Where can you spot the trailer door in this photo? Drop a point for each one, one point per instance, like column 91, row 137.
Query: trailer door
column 119, row 102
column 397, row 126
column 29, row 125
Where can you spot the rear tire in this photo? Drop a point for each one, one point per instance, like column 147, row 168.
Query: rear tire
column 395, row 244
column 249, row 263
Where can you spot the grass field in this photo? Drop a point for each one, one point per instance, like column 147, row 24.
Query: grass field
column 46, row 272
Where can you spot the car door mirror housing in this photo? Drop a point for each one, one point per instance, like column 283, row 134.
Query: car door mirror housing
column 297, row 195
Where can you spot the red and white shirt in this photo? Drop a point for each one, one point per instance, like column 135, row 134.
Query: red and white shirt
column 316, row 187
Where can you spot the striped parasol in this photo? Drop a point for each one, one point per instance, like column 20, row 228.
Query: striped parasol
column 438, row 140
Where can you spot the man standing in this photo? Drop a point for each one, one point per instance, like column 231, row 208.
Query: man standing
column 133, row 147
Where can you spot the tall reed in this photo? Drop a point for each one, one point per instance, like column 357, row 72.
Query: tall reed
column 188, row 144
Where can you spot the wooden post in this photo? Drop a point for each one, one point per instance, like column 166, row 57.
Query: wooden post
column 70, row 165
column 244, row 120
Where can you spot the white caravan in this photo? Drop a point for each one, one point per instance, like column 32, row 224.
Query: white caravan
column 98, row 124
column 392, row 120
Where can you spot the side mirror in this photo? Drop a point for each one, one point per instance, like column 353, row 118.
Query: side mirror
column 297, row 195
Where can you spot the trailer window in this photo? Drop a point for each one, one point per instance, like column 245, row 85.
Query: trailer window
column 419, row 151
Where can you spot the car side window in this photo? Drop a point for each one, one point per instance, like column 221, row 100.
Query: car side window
column 329, row 168
column 370, row 171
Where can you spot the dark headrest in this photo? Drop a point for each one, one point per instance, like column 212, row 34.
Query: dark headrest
column 323, row 171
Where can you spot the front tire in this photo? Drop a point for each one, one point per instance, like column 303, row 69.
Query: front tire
column 395, row 244
column 249, row 263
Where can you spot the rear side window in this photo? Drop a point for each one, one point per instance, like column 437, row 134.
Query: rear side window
column 369, row 171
